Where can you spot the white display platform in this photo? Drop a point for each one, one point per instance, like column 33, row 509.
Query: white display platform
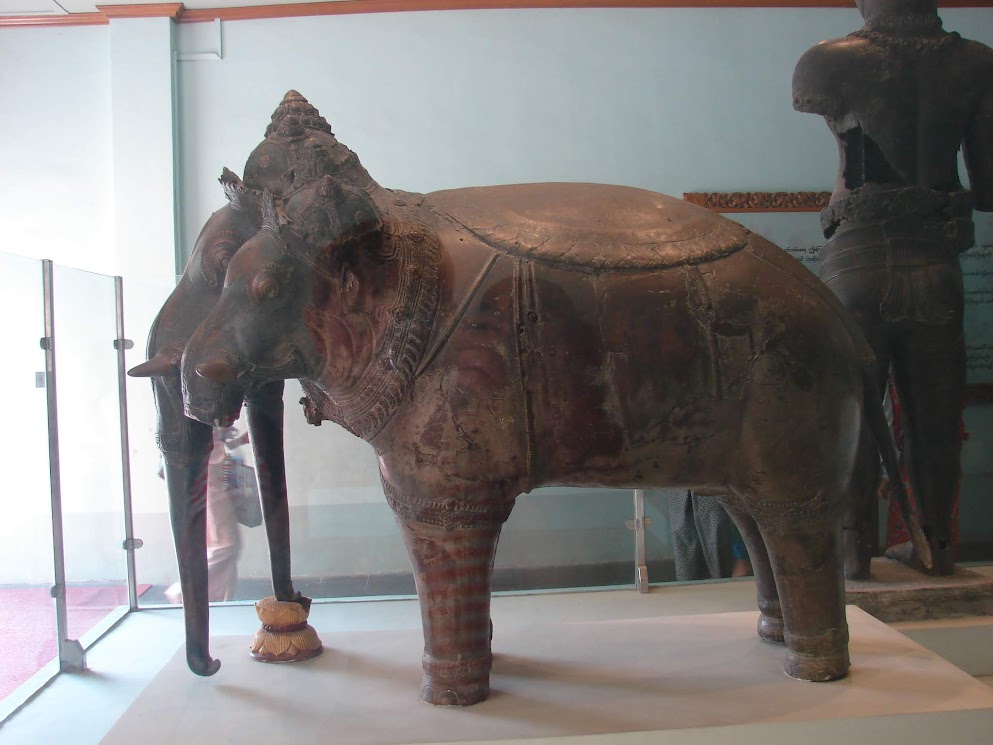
column 655, row 675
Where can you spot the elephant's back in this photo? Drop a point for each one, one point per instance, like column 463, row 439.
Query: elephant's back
column 593, row 227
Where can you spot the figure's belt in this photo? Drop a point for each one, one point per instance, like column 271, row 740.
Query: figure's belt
column 862, row 206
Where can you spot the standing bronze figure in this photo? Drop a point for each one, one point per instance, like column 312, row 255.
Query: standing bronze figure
column 901, row 96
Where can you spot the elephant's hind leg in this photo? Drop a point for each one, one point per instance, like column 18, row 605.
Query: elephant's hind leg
column 452, row 568
column 770, row 626
column 805, row 556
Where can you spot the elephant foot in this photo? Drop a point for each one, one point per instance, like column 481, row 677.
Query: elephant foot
column 770, row 628
column 770, row 625
column 817, row 669
column 293, row 597
column 818, row 659
column 856, row 555
column 456, row 682
column 285, row 635
column 204, row 666
column 944, row 566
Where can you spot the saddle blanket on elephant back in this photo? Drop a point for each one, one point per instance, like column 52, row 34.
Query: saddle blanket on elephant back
column 591, row 226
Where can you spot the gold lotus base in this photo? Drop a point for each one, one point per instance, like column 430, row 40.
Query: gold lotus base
column 285, row 635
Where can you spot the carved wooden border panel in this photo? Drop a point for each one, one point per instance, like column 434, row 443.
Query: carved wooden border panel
column 760, row 201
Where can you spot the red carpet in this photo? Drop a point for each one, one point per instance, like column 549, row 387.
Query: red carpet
column 27, row 617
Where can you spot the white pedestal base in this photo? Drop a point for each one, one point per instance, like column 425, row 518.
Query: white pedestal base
column 662, row 677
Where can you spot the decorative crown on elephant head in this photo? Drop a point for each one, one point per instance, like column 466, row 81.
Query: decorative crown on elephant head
column 299, row 148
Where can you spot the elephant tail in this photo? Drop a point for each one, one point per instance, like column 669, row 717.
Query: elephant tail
column 876, row 419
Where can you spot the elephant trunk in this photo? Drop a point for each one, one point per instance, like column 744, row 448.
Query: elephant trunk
column 186, row 445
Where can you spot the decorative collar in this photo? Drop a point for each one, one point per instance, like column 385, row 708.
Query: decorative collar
column 366, row 408
column 918, row 32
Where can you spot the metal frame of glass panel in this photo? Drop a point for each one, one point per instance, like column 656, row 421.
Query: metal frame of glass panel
column 122, row 344
column 72, row 657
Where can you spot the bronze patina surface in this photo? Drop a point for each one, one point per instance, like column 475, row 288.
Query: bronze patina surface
column 901, row 96
column 487, row 341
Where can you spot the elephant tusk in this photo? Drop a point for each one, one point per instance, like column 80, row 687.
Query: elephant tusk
column 159, row 366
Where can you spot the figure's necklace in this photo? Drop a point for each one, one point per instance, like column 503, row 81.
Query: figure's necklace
column 918, row 32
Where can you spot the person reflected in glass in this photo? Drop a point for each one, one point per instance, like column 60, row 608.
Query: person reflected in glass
column 706, row 544
column 223, row 533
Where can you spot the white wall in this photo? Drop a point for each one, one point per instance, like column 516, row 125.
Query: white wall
column 672, row 100
column 55, row 146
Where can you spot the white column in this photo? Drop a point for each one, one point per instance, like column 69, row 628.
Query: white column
column 144, row 146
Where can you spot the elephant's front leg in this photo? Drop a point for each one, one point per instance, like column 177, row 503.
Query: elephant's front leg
column 453, row 570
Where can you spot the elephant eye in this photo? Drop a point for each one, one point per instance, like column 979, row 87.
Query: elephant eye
column 268, row 283
column 265, row 286
column 216, row 258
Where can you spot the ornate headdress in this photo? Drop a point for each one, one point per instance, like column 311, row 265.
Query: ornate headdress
column 293, row 114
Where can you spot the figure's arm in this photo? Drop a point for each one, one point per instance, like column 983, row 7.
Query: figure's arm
column 821, row 75
column 977, row 149
column 811, row 92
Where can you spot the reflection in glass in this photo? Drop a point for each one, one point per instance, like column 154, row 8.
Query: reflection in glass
column 156, row 560
column 27, row 611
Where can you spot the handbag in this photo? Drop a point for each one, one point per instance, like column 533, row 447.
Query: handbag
column 242, row 488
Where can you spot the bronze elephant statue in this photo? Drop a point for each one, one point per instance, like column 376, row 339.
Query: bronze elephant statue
column 488, row 341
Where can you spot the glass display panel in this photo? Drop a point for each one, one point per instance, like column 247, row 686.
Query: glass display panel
column 344, row 537
column 27, row 610
column 89, row 448
column 155, row 561
column 580, row 537
column 346, row 543
column 345, row 540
